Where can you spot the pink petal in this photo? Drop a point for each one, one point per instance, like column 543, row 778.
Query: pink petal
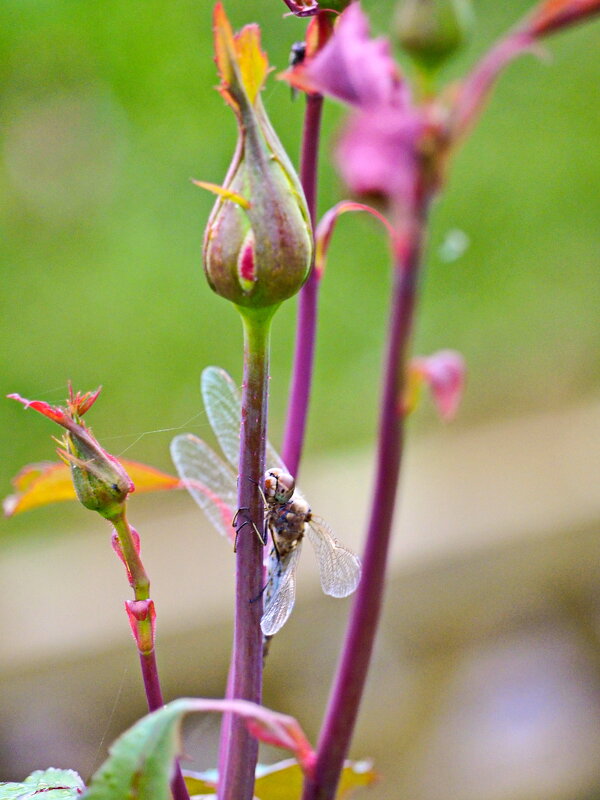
column 445, row 373
column 377, row 153
column 354, row 68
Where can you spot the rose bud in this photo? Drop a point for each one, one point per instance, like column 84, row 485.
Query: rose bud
column 258, row 241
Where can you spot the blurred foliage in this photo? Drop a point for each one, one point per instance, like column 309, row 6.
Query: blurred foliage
column 107, row 112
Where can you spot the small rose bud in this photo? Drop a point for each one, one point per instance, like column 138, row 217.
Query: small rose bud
column 432, row 30
column 101, row 482
column 138, row 613
column 258, row 241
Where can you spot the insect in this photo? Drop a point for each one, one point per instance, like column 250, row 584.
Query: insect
column 288, row 517
column 297, row 56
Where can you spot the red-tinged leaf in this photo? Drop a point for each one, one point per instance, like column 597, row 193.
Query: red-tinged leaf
column 326, row 226
column 224, row 45
column 50, row 482
column 254, row 64
column 242, row 65
column 141, row 760
column 55, row 413
column 552, row 15
column 80, row 403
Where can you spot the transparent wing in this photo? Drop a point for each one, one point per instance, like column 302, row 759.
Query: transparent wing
column 223, row 405
column 280, row 592
column 212, row 484
column 339, row 567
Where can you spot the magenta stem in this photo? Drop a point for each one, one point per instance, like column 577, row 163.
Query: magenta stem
column 151, row 680
column 350, row 679
column 239, row 750
column 304, row 354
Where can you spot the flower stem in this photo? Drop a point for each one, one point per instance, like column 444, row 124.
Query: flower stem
column 350, row 679
column 143, row 626
column 239, row 750
column 293, row 438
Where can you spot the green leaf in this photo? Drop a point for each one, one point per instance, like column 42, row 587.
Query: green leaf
column 141, row 760
column 54, row 784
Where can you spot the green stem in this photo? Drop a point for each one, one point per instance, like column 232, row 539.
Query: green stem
column 138, row 577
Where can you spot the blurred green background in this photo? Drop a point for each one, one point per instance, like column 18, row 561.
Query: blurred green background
column 107, row 113
column 108, row 110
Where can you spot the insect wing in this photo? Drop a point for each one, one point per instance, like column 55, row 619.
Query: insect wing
column 223, row 405
column 339, row 567
column 223, row 408
column 280, row 591
column 211, row 483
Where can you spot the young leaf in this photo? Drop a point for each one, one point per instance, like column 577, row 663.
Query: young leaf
column 52, row 784
column 141, row 760
column 51, row 482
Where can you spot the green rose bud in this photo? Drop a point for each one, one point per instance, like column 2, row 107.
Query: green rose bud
column 432, row 30
column 258, row 241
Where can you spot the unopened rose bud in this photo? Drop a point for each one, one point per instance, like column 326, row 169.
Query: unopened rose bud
column 258, row 242
column 142, row 620
column 101, row 482
column 432, row 30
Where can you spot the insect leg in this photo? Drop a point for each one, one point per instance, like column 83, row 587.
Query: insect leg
column 261, row 538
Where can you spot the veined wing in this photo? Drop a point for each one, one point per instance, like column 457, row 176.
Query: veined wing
column 280, row 593
column 212, row 483
column 339, row 567
column 223, row 405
